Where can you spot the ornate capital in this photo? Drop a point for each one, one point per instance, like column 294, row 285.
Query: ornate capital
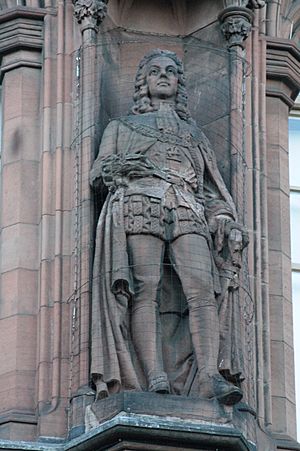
column 236, row 25
column 90, row 13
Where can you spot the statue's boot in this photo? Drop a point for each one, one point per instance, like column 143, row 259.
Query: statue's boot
column 217, row 387
column 158, row 382
column 146, row 335
column 204, row 326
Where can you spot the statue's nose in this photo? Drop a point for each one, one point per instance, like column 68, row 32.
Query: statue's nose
column 163, row 73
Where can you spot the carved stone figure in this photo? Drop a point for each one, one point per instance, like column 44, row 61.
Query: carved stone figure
column 168, row 251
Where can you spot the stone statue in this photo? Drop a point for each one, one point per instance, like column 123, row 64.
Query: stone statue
column 168, row 251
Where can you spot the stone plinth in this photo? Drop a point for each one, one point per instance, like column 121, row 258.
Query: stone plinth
column 159, row 422
column 144, row 403
column 131, row 430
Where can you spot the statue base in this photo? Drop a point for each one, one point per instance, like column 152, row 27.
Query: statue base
column 152, row 421
column 162, row 406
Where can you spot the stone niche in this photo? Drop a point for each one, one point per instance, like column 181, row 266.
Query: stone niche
column 192, row 30
column 219, row 90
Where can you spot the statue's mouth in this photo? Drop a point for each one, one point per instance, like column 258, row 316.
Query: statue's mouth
column 163, row 83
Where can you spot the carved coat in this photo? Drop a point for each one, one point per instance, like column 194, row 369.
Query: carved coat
column 113, row 356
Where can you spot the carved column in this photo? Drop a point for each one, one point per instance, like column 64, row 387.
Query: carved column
column 236, row 24
column 89, row 15
column 237, row 21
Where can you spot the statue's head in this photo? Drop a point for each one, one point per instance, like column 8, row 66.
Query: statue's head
column 160, row 76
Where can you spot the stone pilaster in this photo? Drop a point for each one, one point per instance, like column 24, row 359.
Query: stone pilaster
column 283, row 83
column 21, row 42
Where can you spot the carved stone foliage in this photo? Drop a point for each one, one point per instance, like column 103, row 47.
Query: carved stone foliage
column 91, row 11
column 236, row 29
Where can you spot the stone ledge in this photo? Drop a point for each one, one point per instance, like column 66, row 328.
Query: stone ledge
column 284, row 442
column 15, row 416
column 148, row 432
column 172, row 433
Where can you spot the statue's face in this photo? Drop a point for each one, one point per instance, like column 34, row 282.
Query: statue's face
column 162, row 78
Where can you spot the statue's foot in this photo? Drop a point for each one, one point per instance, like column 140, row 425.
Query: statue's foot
column 158, row 383
column 217, row 387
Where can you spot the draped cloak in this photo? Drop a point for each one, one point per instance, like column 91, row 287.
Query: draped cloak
column 113, row 358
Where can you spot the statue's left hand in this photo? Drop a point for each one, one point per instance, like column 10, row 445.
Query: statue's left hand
column 233, row 230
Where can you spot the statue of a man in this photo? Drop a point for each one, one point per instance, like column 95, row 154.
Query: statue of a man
column 166, row 232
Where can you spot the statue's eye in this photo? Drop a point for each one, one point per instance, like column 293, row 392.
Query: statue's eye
column 153, row 71
column 171, row 70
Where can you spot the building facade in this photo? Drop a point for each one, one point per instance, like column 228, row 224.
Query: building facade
column 67, row 69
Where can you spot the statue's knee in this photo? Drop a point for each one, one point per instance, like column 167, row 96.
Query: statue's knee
column 196, row 303
column 144, row 304
column 146, row 287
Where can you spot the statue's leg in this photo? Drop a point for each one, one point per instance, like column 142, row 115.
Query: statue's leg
column 145, row 258
column 192, row 261
column 190, row 256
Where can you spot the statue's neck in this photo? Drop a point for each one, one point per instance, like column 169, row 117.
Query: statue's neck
column 163, row 105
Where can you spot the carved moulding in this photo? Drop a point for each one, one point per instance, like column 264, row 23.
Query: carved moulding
column 90, row 13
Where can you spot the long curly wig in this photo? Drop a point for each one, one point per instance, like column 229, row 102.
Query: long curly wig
column 142, row 101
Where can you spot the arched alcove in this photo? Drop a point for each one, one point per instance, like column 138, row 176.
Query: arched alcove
column 172, row 17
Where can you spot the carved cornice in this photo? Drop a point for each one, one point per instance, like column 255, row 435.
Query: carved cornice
column 236, row 24
column 21, row 28
column 18, row 416
column 283, row 70
column 90, row 13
